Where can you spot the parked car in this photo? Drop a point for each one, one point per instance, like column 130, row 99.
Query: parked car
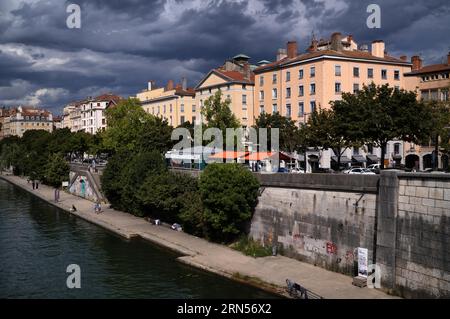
column 360, row 170
column 297, row 171
column 283, row 170
column 374, row 168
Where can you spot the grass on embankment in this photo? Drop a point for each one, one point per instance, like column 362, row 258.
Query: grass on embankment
column 251, row 248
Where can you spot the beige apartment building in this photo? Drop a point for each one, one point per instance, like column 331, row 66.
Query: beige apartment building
column 297, row 83
column 432, row 82
column 175, row 103
column 22, row 119
column 236, row 80
column 4, row 122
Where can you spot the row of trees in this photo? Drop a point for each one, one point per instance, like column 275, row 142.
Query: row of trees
column 372, row 116
column 217, row 206
column 41, row 155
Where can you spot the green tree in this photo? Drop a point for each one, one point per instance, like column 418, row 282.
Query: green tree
column 132, row 129
column 390, row 114
column 56, row 171
column 228, row 193
column 286, row 126
column 162, row 192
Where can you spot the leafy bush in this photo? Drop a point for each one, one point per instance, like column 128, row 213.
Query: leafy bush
column 251, row 248
column 229, row 195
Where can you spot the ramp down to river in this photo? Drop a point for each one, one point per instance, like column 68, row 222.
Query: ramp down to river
column 268, row 273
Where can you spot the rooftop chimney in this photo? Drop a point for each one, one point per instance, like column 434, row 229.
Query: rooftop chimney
column 150, row 85
column 336, row 41
column 416, row 62
column 378, row 48
column 281, row 54
column 184, row 84
column 404, row 58
column 292, row 49
column 169, row 85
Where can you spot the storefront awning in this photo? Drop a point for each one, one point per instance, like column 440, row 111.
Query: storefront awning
column 359, row 158
column 372, row 158
column 344, row 159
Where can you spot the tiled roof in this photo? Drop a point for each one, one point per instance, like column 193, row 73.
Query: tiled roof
column 236, row 76
column 107, row 97
column 179, row 91
column 430, row 69
column 343, row 54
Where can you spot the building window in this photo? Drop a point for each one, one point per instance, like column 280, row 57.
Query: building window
column 384, row 74
column 182, row 119
column 370, row 73
column 244, row 87
column 444, row 95
column 261, row 80
column 244, row 100
column 274, row 78
column 181, row 108
column 274, row 93
column 397, row 148
column 274, row 108
column 261, row 109
column 170, row 108
column 355, row 88
column 370, row 149
column 300, row 74
column 434, row 95
column 312, row 71
column 301, row 91
column 337, row 87
column 288, row 93
column 261, row 95
column 313, row 106
column 103, row 121
column 337, row 70
column 193, row 108
column 164, row 108
column 396, row 75
column 301, row 109
column 312, row 88
column 288, row 76
column 229, row 98
column 356, row 72
column 288, row 110
column 355, row 150
column 228, row 88
column 424, row 95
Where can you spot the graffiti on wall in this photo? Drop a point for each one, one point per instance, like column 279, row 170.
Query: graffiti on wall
column 81, row 187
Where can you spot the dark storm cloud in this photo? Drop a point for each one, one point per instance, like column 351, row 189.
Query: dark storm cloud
column 123, row 44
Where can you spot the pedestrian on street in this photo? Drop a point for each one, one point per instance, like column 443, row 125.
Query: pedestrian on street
column 34, row 184
column 37, row 184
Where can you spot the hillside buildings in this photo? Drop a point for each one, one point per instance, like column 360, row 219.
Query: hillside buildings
column 89, row 115
column 16, row 121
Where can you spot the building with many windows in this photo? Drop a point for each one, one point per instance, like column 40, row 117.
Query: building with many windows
column 297, row 83
column 236, row 80
column 89, row 115
column 175, row 103
column 432, row 82
column 22, row 119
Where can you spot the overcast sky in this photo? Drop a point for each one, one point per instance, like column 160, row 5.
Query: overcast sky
column 123, row 44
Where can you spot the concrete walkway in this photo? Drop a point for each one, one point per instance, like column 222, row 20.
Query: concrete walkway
column 269, row 273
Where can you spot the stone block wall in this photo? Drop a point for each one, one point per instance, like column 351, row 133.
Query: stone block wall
column 423, row 233
column 320, row 227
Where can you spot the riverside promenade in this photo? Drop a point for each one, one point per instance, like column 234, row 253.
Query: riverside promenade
column 268, row 273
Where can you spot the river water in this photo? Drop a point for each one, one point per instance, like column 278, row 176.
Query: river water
column 38, row 242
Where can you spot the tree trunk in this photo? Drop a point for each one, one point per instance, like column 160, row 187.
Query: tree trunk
column 383, row 154
column 339, row 160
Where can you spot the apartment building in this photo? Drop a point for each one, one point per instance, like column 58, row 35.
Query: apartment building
column 175, row 103
column 4, row 118
column 295, row 84
column 432, row 82
column 22, row 119
column 236, row 80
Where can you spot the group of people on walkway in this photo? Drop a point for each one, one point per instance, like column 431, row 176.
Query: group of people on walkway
column 34, row 183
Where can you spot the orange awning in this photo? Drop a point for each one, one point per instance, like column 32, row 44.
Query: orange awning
column 258, row 156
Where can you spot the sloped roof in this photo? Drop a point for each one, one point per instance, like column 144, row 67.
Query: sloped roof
column 433, row 68
column 342, row 54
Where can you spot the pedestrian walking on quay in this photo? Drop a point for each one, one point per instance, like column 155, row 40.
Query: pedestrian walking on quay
column 34, row 184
